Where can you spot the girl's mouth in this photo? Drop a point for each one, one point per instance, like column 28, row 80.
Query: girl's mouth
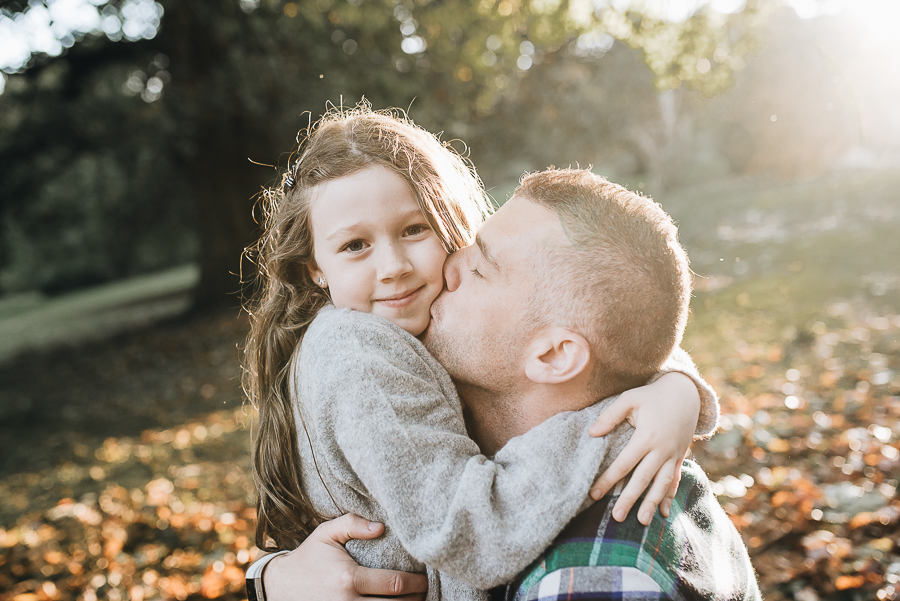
column 401, row 299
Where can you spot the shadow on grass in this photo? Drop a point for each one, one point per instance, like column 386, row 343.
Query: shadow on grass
column 60, row 405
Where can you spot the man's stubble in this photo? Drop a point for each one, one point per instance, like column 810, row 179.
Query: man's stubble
column 484, row 365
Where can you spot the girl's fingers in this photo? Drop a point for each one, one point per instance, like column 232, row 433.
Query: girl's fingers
column 676, row 480
column 656, row 495
column 611, row 417
column 640, row 480
column 633, row 453
column 665, row 508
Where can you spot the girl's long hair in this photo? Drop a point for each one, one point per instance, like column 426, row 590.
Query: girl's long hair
column 286, row 299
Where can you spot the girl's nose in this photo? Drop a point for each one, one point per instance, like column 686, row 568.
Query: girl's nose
column 451, row 271
column 394, row 263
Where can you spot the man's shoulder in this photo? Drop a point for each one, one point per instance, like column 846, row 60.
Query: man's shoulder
column 595, row 583
column 695, row 553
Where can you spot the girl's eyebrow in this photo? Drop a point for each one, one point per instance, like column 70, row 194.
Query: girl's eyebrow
column 351, row 229
column 340, row 233
column 414, row 213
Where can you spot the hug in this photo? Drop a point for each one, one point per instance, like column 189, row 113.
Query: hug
column 499, row 390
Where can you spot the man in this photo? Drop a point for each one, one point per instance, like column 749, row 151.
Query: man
column 583, row 288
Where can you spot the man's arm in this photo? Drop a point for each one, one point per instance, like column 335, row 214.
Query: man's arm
column 321, row 568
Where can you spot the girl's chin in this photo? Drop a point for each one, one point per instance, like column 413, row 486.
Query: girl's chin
column 416, row 327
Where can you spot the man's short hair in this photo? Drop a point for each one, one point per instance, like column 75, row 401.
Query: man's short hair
column 624, row 283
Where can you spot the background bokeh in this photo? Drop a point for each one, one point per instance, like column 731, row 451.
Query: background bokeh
column 135, row 136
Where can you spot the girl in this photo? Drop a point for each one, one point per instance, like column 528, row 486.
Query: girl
column 354, row 414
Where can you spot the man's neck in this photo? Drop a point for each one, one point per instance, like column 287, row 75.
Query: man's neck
column 492, row 419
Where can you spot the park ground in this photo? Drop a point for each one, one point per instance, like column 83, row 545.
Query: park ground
column 124, row 441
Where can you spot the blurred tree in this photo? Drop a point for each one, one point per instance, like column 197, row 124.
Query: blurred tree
column 605, row 113
column 88, row 191
column 801, row 126
column 127, row 136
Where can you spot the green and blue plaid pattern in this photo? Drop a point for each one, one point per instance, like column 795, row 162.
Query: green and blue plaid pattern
column 695, row 553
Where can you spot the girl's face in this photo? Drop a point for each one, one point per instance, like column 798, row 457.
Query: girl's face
column 375, row 248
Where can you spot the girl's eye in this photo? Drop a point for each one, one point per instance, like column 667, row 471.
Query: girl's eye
column 476, row 273
column 354, row 246
column 415, row 230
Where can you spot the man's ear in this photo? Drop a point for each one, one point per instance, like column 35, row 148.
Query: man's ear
column 556, row 355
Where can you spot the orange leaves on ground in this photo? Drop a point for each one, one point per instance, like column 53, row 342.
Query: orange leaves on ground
column 159, row 491
column 817, row 438
column 782, row 497
column 156, row 541
column 220, row 578
column 828, row 379
column 177, row 587
column 752, row 372
column 842, row 583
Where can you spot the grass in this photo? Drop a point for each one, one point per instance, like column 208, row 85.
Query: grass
column 781, row 254
column 35, row 321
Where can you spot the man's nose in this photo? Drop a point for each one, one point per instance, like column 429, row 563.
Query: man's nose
column 451, row 271
column 393, row 263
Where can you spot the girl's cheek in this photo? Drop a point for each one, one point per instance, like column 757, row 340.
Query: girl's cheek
column 440, row 264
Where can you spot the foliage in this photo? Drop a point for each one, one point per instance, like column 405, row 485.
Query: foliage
column 807, row 458
column 135, row 149
column 796, row 317
column 86, row 195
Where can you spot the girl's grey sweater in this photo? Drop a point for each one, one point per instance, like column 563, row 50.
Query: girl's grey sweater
column 381, row 434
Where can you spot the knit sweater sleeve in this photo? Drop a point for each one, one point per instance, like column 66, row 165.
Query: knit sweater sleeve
column 680, row 361
column 398, row 438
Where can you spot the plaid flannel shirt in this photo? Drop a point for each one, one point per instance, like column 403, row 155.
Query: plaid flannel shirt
column 696, row 553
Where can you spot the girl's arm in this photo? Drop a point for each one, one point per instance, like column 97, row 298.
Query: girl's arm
column 675, row 406
column 399, row 438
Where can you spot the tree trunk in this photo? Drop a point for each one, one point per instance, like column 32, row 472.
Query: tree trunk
column 225, row 184
column 219, row 136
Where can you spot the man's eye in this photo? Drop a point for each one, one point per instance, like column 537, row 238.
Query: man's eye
column 355, row 246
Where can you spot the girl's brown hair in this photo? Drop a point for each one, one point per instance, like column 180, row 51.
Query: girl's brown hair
column 341, row 143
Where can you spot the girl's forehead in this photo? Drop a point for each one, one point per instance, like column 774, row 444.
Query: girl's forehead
column 372, row 179
column 370, row 197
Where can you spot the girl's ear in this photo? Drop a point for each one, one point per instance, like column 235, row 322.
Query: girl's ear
column 556, row 355
column 314, row 272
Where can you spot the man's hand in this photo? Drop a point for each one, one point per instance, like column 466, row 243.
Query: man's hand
column 321, row 568
column 665, row 416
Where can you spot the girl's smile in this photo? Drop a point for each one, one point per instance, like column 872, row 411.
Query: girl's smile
column 375, row 249
column 401, row 299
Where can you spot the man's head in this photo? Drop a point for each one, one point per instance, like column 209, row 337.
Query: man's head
column 622, row 281
column 574, row 280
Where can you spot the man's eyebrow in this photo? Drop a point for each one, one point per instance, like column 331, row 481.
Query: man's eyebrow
column 486, row 253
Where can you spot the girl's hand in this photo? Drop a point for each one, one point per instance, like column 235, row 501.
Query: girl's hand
column 665, row 416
